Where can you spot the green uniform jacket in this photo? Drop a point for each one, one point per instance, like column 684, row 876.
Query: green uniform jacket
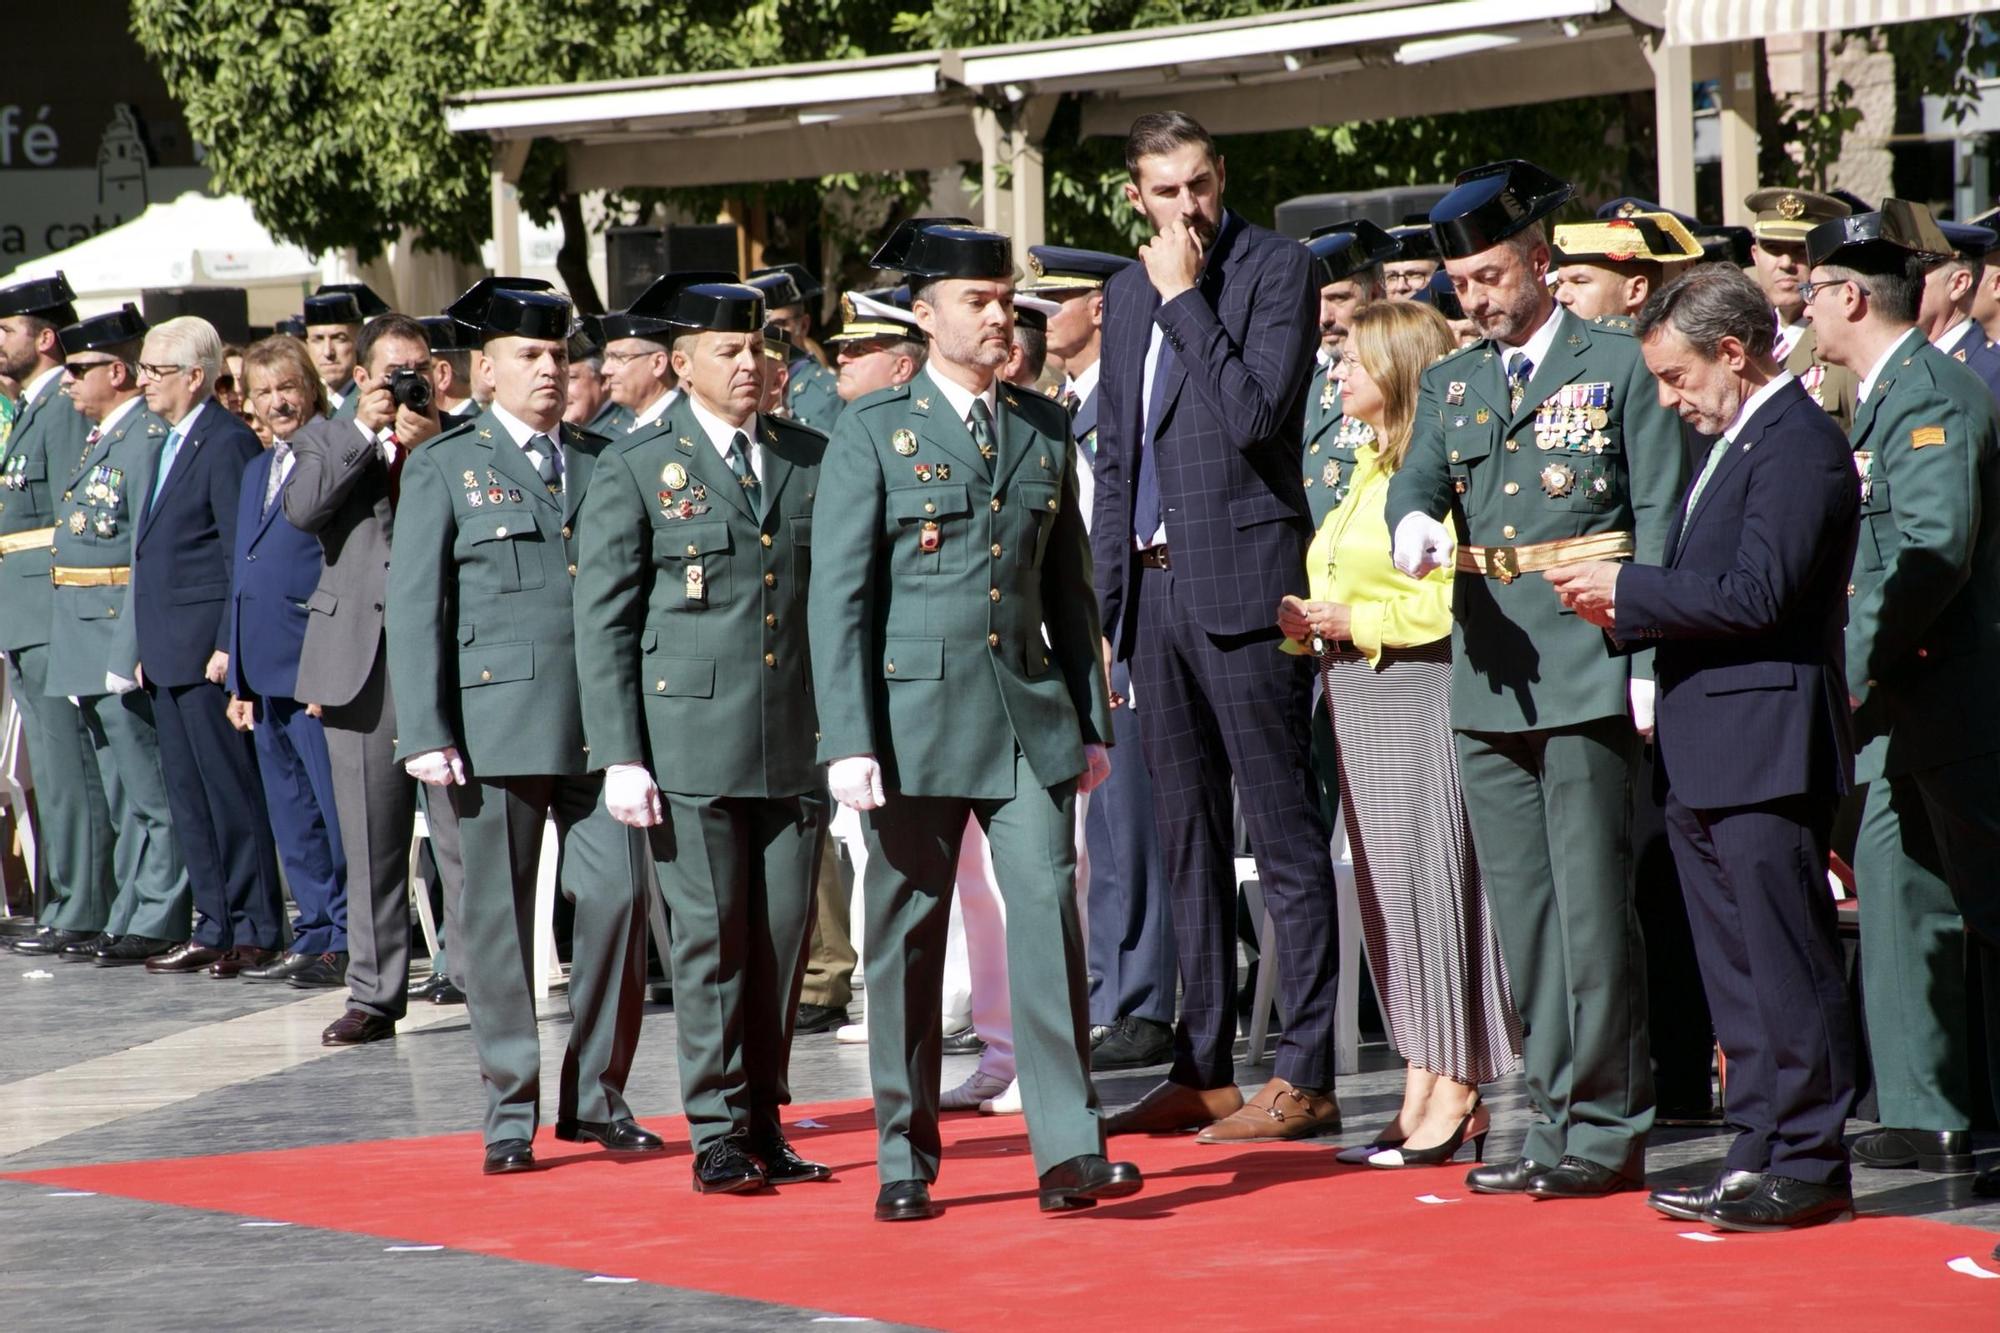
column 47, row 438
column 811, row 395
column 1327, row 461
column 1923, row 627
column 613, row 421
column 691, row 612
column 1832, row 387
column 1520, row 661
column 480, row 621
column 90, row 631
column 931, row 596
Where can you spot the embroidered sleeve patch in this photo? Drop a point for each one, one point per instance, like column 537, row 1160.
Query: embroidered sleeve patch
column 1924, row 435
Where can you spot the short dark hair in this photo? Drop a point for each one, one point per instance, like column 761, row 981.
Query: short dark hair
column 1034, row 345
column 1896, row 295
column 389, row 326
column 1708, row 303
column 1159, row 132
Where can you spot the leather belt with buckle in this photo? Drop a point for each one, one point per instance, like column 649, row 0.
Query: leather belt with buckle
column 1508, row 563
column 1153, row 557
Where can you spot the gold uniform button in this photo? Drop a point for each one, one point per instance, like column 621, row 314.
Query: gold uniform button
column 565, row 531
column 996, row 504
column 692, row 549
column 929, row 508
column 770, row 580
column 1052, row 504
column 994, row 594
column 993, row 641
column 572, row 571
column 486, row 675
column 770, row 659
column 770, row 621
column 892, row 668
column 1508, row 532
column 1454, row 455
column 1513, row 446
column 1512, row 488
column 1313, row 450
column 996, row 550
column 765, row 538
column 1850, row 590
column 500, row 531
column 659, row 687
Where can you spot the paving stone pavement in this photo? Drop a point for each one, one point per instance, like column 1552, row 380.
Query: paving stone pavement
column 266, row 1084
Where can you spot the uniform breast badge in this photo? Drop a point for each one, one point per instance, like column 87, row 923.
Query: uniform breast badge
column 904, row 442
column 1454, row 393
column 76, row 522
column 1558, row 480
column 696, row 585
column 674, row 477
column 1864, row 465
column 923, row 472
column 1481, row 417
column 929, row 538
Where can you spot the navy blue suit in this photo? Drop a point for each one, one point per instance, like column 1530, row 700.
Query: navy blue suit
column 1753, row 732
column 181, row 556
column 1216, row 698
column 1131, row 949
column 276, row 569
column 1981, row 357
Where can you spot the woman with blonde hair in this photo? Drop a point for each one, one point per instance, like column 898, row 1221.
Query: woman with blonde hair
column 1384, row 648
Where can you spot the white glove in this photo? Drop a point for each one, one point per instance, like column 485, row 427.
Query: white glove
column 437, row 768
column 1643, row 694
column 1423, row 544
column 117, row 684
column 1097, row 767
column 631, row 795
column 857, row 782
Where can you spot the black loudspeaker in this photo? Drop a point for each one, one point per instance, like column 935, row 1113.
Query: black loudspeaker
column 635, row 256
column 228, row 308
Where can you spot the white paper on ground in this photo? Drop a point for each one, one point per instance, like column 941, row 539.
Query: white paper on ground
column 604, row 1277
column 410, row 1249
column 1699, row 1235
column 1434, row 1198
column 1970, row 1267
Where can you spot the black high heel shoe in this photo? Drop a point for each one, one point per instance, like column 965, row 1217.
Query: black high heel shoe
column 1361, row 1152
column 1475, row 1125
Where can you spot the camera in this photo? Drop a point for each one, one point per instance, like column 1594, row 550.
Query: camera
column 410, row 388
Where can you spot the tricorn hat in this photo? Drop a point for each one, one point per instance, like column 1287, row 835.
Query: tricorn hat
column 1493, row 202
column 115, row 329
column 929, row 248
column 1343, row 249
column 520, row 307
column 47, row 298
column 702, row 299
column 1880, row 242
column 806, row 286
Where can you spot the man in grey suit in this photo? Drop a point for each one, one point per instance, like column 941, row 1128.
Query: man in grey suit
column 344, row 489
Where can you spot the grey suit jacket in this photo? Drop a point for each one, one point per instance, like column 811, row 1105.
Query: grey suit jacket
column 339, row 492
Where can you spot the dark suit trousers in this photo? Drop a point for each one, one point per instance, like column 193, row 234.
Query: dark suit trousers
column 1132, row 963
column 298, row 791
column 74, row 835
column 1684, row 1049
column 1764, row 928
column 377, row 804
column 1210, row 708
column 220, row 819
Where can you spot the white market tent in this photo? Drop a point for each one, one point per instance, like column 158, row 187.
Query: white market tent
column 1337, row 63
column 194, row 241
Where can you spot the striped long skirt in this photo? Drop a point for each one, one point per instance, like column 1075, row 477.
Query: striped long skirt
column 1431, row 945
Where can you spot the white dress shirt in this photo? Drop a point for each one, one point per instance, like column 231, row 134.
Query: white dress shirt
column 521, row 432
column 655, row 410
column 961, row 398
column 721, row 434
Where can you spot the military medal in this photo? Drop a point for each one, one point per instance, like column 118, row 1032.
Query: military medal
column 904, row 442
column 1598, row 485
column 473, row 498
column 697, row 492
column 470, row 480
column 1557, row 480
column 923, row 472
column 494, row 495
column 1330, row 474
column 1481, row 417
column 513, row 496
column 1454, row 393
column 928, row 538
column 76, row 523
column 104, row 527
column 696, row 584
column 1326, row 395
column 1864, row 463
column 943, row 472
column 674, row 477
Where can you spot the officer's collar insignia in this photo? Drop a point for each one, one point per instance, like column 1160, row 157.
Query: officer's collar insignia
column 684, row 444
column 1574, row 340
column 921, row 404
column 485, row 434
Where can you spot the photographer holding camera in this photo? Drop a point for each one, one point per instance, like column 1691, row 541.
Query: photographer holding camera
column 343, row 489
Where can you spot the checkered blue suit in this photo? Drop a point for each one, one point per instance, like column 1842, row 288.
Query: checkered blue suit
column 1215, row 697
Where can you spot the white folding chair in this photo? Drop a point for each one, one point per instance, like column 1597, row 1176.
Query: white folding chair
column 1347, row 1021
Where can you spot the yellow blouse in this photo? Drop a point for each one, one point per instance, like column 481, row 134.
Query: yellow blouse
column 1349, row 562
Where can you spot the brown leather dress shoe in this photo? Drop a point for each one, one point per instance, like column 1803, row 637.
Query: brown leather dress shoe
column 357, row 1028
column 237, row 959
column 1171, row 1108
column 1278, row 1111
column 187, row 957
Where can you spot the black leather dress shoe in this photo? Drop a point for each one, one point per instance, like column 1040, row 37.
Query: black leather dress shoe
column 232, row 963
column 1690, row 1203
column 357, row 1027
column 616, row 1135
column 904, row 1201
column 421, row 990
column 783, row 1165
column 326, row 971
column 1133, row 1043
column 86, row 951
column 963, row 1042
column 1987, row 1183
column 447, row 992
column 1082, row 1181
column 132, row 950
column 1947, row 1152
column 725, row 1168
column 277, row 969
column 1780, row 1203
column 508, row 1156
column 1504, row 1177
column 184, row 957
column 819, row 1018
column 48, row 940
column 1575, row 1178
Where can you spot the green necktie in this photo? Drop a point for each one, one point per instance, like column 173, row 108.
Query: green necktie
column 980, row 423
column 746, row 476
column 1715, row 453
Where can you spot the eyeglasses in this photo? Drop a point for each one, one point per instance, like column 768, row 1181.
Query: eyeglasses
column 622, row 357
column 1810, row 291
column 151, row 372
column 78, row 369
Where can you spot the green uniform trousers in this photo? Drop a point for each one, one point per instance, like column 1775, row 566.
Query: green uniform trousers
column 738, row 875
column 913, row 845
column 1921, row 834
column 1551, row 820
column 154, row 897
column 500, row 826
column 74, row 887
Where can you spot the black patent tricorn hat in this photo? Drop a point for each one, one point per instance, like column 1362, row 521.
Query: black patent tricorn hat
column 701, row 299
column 1492, row 203
column 516, row 307
column 47, row 298
column 932, row 248
column 1344, row 249
column 1880, row 242
column 118, row 328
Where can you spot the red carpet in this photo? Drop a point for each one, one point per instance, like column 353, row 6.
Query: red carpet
column 1240, row 1239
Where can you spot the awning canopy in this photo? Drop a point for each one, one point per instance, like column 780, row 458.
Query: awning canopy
column 1711, row 22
